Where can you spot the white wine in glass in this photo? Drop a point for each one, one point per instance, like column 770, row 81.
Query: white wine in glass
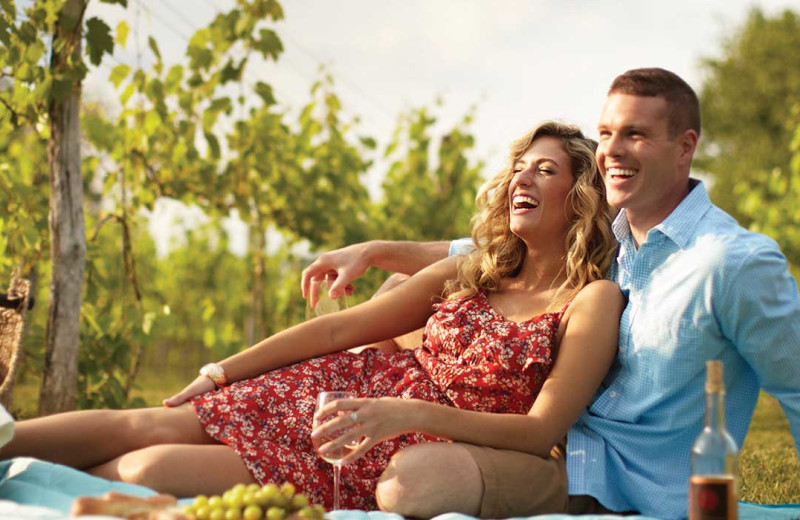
column 334, row 457
column 325, row 305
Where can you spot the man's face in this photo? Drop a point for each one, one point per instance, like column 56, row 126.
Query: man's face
column 643, row 167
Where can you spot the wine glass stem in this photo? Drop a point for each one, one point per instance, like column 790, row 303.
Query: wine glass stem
column 337, row 471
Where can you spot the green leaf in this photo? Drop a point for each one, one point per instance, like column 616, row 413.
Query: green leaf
column 98, row 40
column 151, row 122
column 127, row 93
column 174, row 77
column 35, row 51
column 118, row 74
column 122, row 33
column 269, row 45
column 61, row 88
column 264, row 91
column 151, row 42
column 213, row 144
column 9, row 8
column 4, row 27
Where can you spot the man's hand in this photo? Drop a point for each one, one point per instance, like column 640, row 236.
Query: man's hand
column 342, row 266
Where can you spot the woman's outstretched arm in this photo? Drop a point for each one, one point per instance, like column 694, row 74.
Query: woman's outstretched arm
column 396, row 312
column 588, row 344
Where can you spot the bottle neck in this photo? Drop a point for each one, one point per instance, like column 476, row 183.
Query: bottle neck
column 715, row 410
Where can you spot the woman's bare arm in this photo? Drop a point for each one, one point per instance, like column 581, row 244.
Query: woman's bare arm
column 586, row 351
column 396, row 312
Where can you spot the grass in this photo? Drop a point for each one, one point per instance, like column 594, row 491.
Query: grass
column 768, row 468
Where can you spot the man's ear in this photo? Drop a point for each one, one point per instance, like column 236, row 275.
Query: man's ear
column 688, row 143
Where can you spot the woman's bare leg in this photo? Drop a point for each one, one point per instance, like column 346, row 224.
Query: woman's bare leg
column 88, row 438
column 182, row 470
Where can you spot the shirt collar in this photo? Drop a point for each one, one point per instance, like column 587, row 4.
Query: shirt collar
column 679, row 225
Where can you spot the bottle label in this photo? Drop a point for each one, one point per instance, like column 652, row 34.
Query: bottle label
column 712, row 498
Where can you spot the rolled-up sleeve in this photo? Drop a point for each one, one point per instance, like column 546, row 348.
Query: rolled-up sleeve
column 461, row 246
column 761, row 316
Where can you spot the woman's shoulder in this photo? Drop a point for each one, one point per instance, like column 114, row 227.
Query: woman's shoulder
column 598, row 293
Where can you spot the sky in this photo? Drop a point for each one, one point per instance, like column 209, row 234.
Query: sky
column 517, row 61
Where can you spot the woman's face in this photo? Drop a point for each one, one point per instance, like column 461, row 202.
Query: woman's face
column 538, row 191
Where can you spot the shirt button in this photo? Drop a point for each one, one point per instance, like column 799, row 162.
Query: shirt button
column 613, row 394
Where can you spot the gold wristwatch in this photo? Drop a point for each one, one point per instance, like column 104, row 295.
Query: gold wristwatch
column 215, row 373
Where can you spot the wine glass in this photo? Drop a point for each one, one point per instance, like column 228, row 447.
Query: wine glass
column 325, row 305
column 334, row 457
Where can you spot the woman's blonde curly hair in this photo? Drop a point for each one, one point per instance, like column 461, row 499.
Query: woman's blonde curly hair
column 590, row 243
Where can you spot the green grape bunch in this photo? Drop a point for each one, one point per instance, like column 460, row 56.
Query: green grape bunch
column 254, row 502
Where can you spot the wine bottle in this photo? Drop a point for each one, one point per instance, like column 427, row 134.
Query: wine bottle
column 713, row 486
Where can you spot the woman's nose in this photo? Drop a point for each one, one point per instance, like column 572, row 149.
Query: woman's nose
column 522, row 178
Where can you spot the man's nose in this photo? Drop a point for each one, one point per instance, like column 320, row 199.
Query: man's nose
column 612, row 145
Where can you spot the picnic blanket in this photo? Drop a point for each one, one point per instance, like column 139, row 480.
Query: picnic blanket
column 34, row 489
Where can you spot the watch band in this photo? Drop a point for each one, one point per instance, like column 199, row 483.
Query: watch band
column 215, row 373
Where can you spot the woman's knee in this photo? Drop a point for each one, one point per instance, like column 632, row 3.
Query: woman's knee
column 142, row 467
column 153, row 426
column 425, row 480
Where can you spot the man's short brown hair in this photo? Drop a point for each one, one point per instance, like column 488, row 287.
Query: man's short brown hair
column 682, row 103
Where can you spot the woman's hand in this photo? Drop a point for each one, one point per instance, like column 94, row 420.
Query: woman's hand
column 365, row 422
column 200, row 385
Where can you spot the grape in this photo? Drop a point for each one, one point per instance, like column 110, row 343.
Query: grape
column 287, row 489
column 233, row 514
column 275, row 513
column 252, row 513
column 250, row 498
column 255, row 502
column 299, row 501
column 268, row 495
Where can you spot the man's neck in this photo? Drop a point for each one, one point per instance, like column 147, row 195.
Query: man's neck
column 642, row 220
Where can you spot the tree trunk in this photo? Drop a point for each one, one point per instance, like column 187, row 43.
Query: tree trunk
column 67, row 233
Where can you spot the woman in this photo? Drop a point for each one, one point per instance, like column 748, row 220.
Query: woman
column 487, row 372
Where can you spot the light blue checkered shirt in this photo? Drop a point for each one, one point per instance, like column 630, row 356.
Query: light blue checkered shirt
column 700, row 287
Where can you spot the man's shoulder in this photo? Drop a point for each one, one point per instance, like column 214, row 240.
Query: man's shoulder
column 719, row 234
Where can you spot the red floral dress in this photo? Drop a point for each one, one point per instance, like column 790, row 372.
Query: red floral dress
column 471, row 358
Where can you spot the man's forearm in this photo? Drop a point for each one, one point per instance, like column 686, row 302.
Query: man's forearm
column 404, row 256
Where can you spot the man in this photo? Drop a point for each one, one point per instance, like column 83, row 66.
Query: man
column 699, row 287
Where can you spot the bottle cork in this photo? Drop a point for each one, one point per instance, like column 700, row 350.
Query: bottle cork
column 714, row 381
